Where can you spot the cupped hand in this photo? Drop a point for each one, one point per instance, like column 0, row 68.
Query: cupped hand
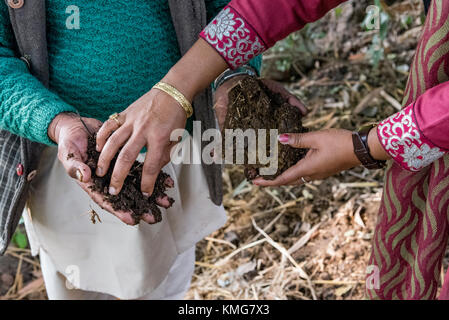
column 221, row 97
column 71, row 136
column 148, row 122
column 331, row 151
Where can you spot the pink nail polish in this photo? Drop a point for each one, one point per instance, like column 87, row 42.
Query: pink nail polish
column 284, row 138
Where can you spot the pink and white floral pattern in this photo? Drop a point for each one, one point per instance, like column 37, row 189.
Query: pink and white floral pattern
column 233, row 38
column 401, row 138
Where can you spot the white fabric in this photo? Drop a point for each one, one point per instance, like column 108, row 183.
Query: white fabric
column 113, row 258
column 173, row 287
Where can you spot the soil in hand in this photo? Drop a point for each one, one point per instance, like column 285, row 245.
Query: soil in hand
column 252, row 105
column 130, row 198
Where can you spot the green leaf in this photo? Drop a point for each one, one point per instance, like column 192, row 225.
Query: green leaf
column 20, row 239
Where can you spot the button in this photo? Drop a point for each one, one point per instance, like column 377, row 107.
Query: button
column 19, row 169
column 16, row 4
column 31, row 175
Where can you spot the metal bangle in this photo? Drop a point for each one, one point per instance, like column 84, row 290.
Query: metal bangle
column 229, row 74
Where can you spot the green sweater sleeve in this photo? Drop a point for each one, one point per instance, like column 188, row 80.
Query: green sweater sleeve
column 26, row 106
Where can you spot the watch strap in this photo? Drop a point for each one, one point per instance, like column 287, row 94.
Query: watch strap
column 361, row 149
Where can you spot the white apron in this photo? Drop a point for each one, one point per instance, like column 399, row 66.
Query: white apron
column 110, row 257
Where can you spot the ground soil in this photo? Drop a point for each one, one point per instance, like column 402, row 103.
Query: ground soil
column 130, row 197
column 252, row 105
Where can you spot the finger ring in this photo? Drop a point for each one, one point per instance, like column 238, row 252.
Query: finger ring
column 115, row 117
column 304, row 180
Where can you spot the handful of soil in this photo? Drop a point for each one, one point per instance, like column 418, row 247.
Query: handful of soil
column 130, row 198
column 252, row 105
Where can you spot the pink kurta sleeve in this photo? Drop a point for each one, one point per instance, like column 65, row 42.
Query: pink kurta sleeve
column 246, row 28
column 419, row 134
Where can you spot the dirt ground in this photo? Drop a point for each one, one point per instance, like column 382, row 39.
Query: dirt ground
column 312, row 241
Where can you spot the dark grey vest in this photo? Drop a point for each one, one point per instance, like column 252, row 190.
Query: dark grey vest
column 29, row 25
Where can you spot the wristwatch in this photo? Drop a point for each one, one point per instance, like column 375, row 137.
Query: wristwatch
column 361, row 148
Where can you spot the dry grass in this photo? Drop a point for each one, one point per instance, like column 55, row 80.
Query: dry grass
column 313, row 241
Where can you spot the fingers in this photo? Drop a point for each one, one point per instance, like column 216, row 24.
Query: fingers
column 148, row 218
column 125, row 217
column 169, row 183
column 291, row 98
column 110, row 149
column 290, row 176
column 151, row 168
column 221, row 109
column 294, row 101
column 107, row 129
column 73, row 163
column 299, row 140
column 125, row 161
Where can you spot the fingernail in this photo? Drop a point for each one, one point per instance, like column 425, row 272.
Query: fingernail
column 146, row 195
column 112, row 191
column 79, row 175
column 98, row 148
column 99, row 171
column 284, row 138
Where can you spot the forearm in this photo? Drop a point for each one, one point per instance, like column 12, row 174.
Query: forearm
column 27, row 107
column 196, row 70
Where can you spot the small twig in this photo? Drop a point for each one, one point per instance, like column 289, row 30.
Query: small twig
column 285, row 254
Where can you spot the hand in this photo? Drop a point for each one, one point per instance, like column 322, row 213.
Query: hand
column 69, row 133
column 148, row 122
column 331, row 151
column 71, row 136
column 221, row 97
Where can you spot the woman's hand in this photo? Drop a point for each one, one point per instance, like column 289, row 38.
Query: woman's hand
column 331, row 151
column 148, row 122
column 71, row 135
column 222, row 100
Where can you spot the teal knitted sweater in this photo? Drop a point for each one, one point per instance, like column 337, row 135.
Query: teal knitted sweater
column 121, row 49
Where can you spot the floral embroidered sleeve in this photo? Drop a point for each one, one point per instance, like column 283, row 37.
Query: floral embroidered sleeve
column 246, row 28
column 419, row 134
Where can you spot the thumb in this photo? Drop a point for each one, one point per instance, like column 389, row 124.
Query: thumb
column 75, row 167
column 294, row 101
column 298, row 140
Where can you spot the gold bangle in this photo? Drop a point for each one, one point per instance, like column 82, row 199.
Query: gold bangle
column 178, row 96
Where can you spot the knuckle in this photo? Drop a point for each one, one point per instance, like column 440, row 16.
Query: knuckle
column 151, row 168
column 116, row 179
column 297, row 139
column 113, row 141
column 126, row 157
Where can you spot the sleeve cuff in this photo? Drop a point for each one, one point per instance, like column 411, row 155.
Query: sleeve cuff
column 233, row 38
column 43, row 119
column 402, row 139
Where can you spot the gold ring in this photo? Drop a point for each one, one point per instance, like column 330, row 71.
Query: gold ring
column 115, row 117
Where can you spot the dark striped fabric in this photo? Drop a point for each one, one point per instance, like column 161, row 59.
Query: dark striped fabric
column 29, row 25
column 9, row 184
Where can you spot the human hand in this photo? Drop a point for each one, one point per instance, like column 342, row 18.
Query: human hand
column 148, row 122
column 71, row 135
column 331, row 151
column 221, row 97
